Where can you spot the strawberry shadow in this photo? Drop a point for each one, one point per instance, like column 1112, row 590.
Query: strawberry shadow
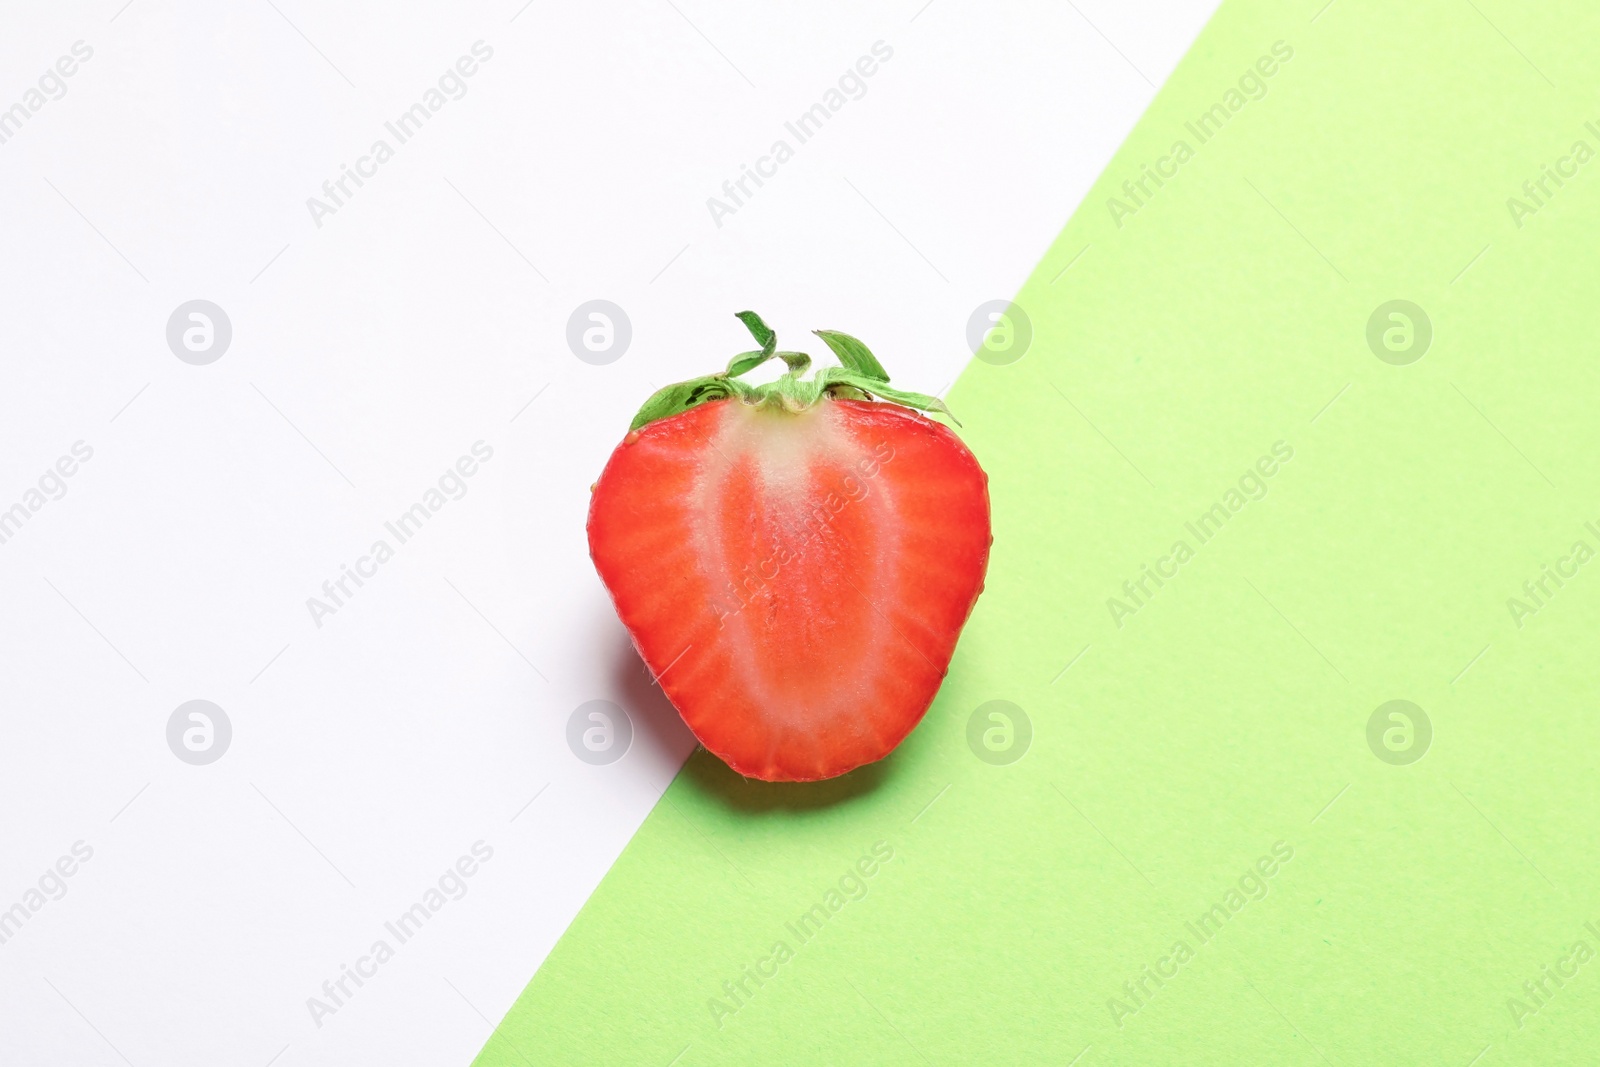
column 715, row 780
column 656, row 722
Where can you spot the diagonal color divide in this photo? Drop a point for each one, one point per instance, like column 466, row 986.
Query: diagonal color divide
column 1217, row 735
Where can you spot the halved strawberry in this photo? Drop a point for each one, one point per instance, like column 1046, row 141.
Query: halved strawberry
column 794, row 561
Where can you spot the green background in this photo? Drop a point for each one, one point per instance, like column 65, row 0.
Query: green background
column 1230, row 711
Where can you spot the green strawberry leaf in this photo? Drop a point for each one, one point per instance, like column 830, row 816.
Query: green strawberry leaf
column 746, row 361
column 834, row 378
column 749, row 361
column 768, row 340
column 759, row 330
column 798, row 362
column 853, row 354
column 681, row 396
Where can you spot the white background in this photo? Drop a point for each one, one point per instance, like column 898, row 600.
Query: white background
column 429, row 312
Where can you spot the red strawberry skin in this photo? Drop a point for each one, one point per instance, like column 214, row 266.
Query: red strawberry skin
column 795, row 580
